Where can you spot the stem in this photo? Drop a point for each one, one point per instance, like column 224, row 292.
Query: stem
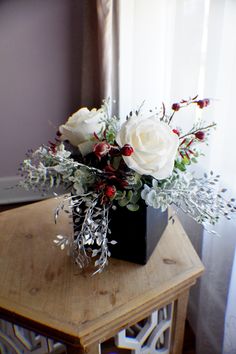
column 197, row 130
column 172, row 115
column 164, row 111
column 186, row 104
column 140, row 107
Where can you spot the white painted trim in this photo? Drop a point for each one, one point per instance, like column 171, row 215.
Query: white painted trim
column 10, row 193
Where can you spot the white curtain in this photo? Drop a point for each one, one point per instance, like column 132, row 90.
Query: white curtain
column 171, row 50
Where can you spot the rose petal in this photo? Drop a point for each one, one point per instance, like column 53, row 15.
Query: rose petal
column 81, row 126
column 155, row 146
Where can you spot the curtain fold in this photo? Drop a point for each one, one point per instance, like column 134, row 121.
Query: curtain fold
column 94, row 52
column 108, row 35
column 85, row 66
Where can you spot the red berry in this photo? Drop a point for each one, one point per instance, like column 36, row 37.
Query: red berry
column 124, row 184
column 203, row 103
column 109, row 168
column 127, row 150
column 52, row 147
column 175, row 106
column 200, row 135
column 207, row 101
column 110, row 191
column 101, row 149
column 176, row 131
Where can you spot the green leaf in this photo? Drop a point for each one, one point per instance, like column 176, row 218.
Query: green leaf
column 116, row 162
column 129, row 195
column 138, row 184
column 186, row 161
column 132, row 207
column 123, row 202
column 135, row 197
column 120, row 195
column 180, row 166
column 110, row 137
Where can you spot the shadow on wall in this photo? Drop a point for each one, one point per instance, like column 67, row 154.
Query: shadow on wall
column 49, row 67
column 85, row 72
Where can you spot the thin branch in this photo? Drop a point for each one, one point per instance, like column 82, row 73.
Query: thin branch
column 197, row 130
column 164, row 111
column 172, row 115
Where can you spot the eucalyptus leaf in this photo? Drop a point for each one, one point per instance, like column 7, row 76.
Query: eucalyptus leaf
column 132, row 207
column 135, row 197
column 123, row 202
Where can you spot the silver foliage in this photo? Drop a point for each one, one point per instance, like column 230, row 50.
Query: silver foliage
column 90, row 221
column 197, row 197
column 45, row 169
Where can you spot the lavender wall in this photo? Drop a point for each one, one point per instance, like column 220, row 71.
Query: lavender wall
column 35, row 75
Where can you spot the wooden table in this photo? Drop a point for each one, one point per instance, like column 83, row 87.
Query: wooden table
column 41, row 289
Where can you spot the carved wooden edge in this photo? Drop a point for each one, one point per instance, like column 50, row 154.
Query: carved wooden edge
column 107, row 329
column 103, row 329
column 93, row 349
column 176, row 330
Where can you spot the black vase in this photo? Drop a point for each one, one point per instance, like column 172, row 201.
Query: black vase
column 136, row 232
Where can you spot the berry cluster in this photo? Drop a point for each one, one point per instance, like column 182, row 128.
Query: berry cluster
column 198, row 134
column 201, row 103
column 102, row 148
column 109, row 157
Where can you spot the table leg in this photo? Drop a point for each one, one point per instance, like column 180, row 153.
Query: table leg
column 179, row 323
column 94, row 349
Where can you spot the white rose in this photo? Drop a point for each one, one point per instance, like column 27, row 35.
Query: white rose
column 81, row 126
column 155, row 146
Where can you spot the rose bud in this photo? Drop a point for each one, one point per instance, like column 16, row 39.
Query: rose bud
column 176, row 131
column 110, row 191
column 175, row 106
column 101, row 149
column 200, row 135
column 127, row 150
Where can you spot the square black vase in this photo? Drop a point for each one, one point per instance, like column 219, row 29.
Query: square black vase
column 136, row 232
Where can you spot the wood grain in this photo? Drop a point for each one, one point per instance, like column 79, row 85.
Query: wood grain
column 42, row 288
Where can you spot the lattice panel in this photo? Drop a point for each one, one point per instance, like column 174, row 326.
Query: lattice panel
column 17, row 340
column 150, row 336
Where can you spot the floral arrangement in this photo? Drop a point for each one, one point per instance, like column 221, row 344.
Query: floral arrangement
column 104, row 165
